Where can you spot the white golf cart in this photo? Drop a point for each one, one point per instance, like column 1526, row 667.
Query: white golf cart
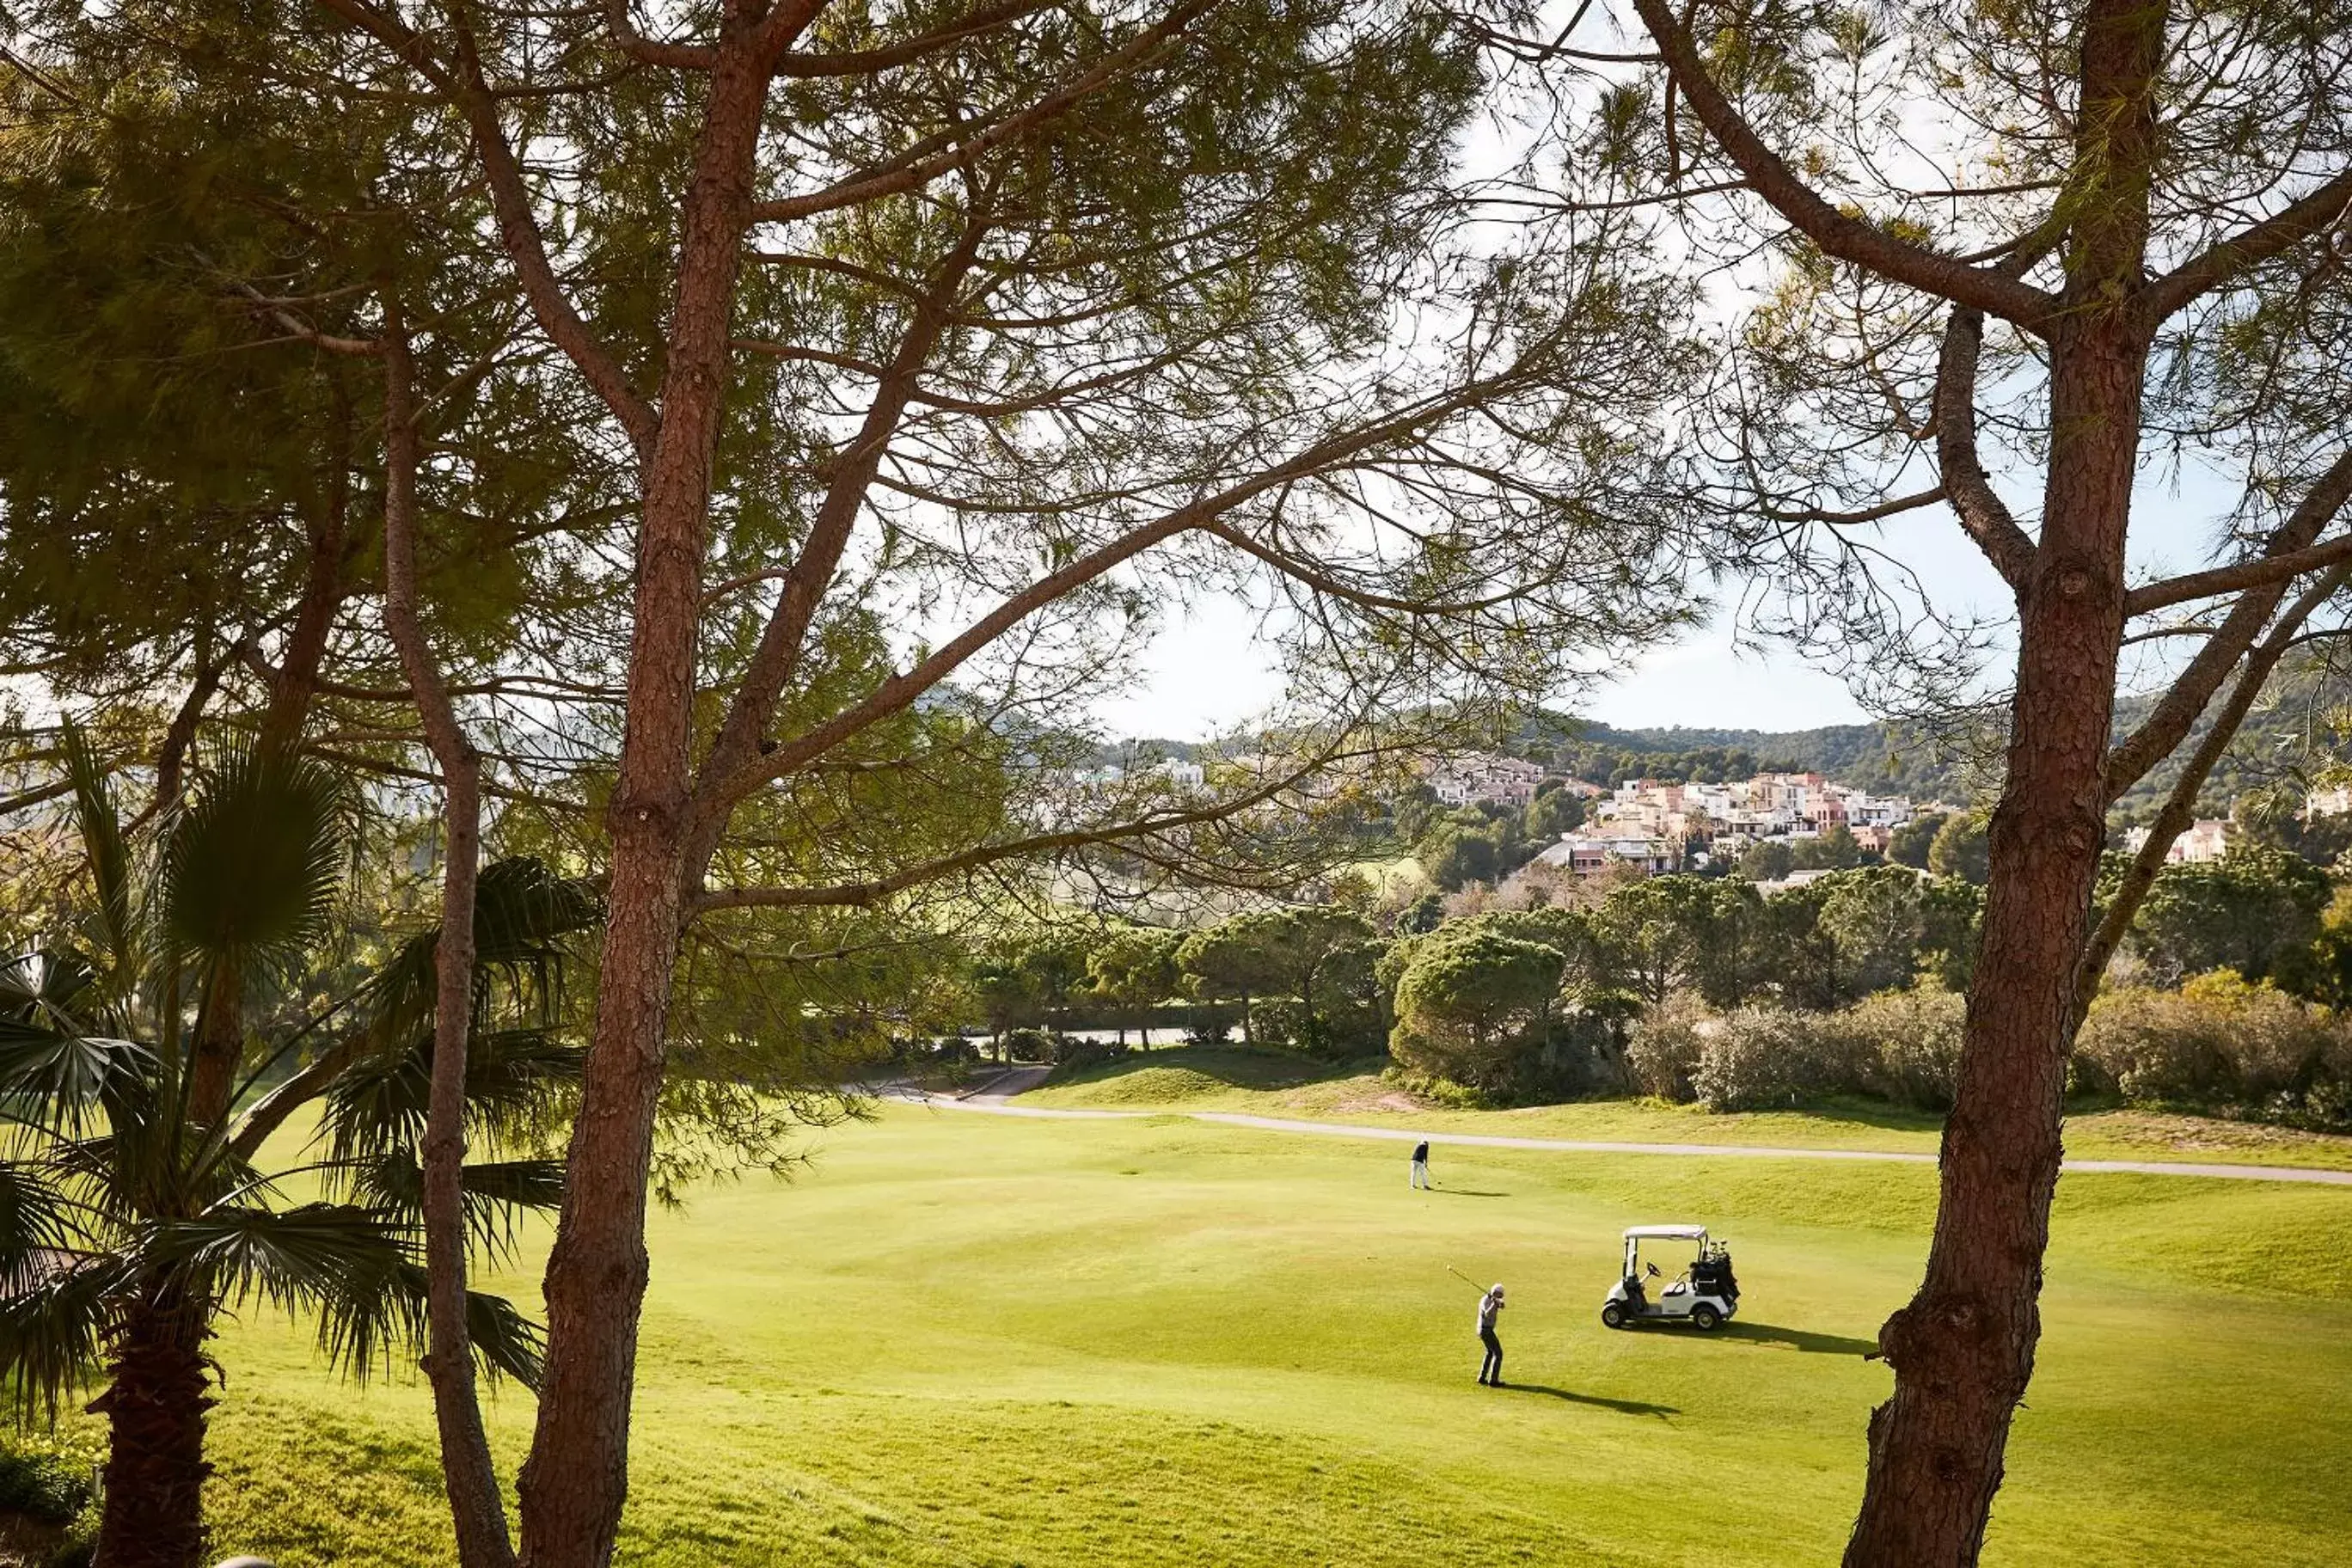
column 1703, row 1295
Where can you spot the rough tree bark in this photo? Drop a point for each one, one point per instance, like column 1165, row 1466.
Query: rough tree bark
column 574, row 1484
column 155, row 1407
column 1963, row 1349
column 218, row 1047
column 475, row 1506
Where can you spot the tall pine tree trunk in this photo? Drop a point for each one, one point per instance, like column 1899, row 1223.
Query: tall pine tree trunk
column 477, row 1507
column 573, row 1487
column 1963, row 1349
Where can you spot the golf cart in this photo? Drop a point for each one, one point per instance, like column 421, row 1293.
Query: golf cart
column 1702, row 1296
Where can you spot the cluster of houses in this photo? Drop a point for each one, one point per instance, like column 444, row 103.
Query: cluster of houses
column 1651, row 827
column 1109, row 776
column 1725, row 818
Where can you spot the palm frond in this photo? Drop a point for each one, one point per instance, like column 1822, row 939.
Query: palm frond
column 314, row 1257
column 54, row 1325
column 377, row 1106
column 525, row 917
column 58, row 1077
column 361, row 1333
column 505, row 1339
column 44, row 990
column 251, row 865
column 360, row 1336
column 498, row 1194
column 36, row 1222
column 107, row 854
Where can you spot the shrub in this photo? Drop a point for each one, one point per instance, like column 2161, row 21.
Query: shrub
column 1909, row 1042
column 1071, row 1054
column 1278, row 1022
column 2216, row 1041
column 1760, row 1059
column 1208, row 1029
column 1442, row 1092
column 1027, row 1045
column 53, row 1488
column 1662, row 1052
column 48, row 1498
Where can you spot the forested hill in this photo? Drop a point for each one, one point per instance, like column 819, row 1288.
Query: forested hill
column 2293, row 729
column 1872, row 756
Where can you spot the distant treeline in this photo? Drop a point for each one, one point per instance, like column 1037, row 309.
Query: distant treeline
column 1703, row 988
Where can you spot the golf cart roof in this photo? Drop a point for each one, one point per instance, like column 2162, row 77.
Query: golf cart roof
column 1666, row 1232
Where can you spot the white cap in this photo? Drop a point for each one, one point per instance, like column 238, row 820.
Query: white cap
column 1497, row 1291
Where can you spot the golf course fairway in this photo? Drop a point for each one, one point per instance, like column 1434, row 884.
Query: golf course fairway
column 963, row 1338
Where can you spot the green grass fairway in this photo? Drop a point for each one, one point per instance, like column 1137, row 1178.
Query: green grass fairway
column 963, row 1338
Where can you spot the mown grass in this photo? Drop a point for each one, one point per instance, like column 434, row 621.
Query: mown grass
column 971, row 1340
column 1273, row 1083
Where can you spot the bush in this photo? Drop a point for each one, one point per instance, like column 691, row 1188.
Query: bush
column 48, row 1498
column 1662, row 1052
column 1027, row 1045
column 1440, row 1091
column 1076, row 1055
column 1208, row 1029
column 1761, row 1060
column 2217, row 1041
column 52, row 1488
column 1910, row 1043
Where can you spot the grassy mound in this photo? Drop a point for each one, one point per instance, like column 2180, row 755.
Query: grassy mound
column 1184, row 1074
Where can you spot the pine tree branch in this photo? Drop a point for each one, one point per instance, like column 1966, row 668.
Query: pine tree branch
column 1983, row 515
column 1846, row 238
column 2299, row 221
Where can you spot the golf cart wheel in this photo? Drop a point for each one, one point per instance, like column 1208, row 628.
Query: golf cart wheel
column 1614, row 1316
column 1705, row 1319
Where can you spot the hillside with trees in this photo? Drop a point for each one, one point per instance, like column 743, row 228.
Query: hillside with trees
column 2287, row 738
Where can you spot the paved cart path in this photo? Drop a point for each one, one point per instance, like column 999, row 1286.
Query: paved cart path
column 996, row 1099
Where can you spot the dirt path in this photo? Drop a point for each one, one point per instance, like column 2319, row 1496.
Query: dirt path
column 997, row 1099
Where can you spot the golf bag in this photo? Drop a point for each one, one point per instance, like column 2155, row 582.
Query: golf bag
column 1711, row 1275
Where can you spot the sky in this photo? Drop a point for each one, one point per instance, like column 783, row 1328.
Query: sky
column 1204, row 672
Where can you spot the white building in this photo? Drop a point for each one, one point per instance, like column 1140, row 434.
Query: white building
column 2204, row 841
column 1584, row 857
column 1484, row 778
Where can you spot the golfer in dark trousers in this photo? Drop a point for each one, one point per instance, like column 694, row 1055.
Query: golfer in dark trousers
column 1490, row 1307
column 1421, row 1163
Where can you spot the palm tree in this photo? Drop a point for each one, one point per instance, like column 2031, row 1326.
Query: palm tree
column 135, row 1204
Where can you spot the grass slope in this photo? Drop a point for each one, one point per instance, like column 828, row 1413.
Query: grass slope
column 975, row 1341
column 1275, row 1083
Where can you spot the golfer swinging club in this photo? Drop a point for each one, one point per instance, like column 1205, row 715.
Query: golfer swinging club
column 1420, row 1164
column 1490, row 1307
